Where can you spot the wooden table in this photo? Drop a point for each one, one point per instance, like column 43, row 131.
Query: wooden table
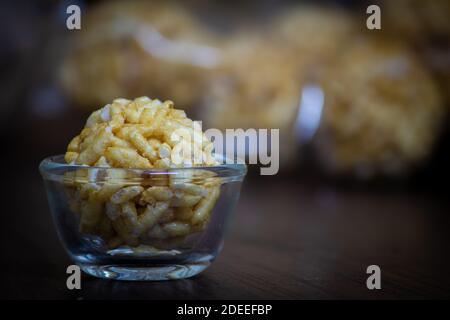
column 287, row 241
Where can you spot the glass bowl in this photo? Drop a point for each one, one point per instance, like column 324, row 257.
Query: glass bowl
column 141, row 224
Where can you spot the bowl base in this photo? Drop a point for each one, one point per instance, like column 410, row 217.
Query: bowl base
column 139, row 273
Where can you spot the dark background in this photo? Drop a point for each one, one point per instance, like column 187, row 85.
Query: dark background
column 299, row 234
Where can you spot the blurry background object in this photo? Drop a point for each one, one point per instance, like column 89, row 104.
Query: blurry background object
column 315, row 33
column 426, row 25
column 256, row 86
column 259, row 83
column 382, row 113
column 437, row 59
column 303, row 67
column 135, row 48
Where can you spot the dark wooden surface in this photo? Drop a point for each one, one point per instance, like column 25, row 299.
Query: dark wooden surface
column 287, row 241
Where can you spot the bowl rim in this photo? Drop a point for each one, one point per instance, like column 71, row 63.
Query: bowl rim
column 54, row 167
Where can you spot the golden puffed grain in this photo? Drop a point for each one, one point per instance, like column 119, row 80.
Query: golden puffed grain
column 125, row 207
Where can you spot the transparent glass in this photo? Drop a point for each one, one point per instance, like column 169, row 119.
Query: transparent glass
column 179, row 243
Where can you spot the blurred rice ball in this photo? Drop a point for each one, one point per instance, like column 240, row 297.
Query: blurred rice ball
column 316, row 33
column 382, row 111
column 134, row 48
column 256, row 86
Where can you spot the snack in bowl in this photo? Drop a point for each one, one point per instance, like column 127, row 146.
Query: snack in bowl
column 141, row 182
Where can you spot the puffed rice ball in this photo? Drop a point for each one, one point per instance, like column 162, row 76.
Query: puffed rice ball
column 382, row 111
column 134, row 48
column 140, row 133
column 315, row 33
column 257, row 86
column 131, row 207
